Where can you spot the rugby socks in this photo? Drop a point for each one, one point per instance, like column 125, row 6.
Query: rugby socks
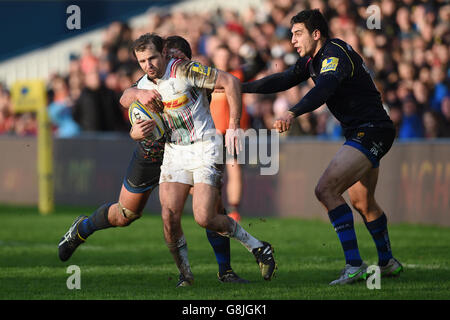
column 221, row 247
column 97, row 221
column 378, row 230
column 243, row 236
column 342, row 220
column 179, row 251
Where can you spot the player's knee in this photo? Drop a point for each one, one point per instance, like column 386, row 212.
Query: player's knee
column 203, row 221
column 170, row 218
column 321, row 191
column 359, row 205
column 366, row 206
column 126, row 216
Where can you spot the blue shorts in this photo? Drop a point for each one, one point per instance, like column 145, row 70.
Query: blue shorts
column 142, row 173
column 374, row 141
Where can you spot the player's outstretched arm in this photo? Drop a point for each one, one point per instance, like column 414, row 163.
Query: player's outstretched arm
column 279, row 81
column 317, row 96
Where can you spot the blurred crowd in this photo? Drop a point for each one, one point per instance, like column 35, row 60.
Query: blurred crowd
column 408, row 57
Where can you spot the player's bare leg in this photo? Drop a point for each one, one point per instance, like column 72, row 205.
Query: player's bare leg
column 234, row 188
column 173, row 197
column 362, row 197
column 205, row 206
column 129, row 208
column 221, row 248
column 347, row 167
column 205, row 214
column 122, row 213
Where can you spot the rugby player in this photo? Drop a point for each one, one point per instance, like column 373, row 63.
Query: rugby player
column 342, row 81
column 178, row 47
column 191, row 157
column 141, row 179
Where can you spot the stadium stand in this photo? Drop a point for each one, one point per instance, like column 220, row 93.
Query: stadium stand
column 408, row 57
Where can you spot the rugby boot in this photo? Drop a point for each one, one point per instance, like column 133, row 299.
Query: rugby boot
column 71, row 240
column 392, row 269
column 184, row 281
column 265, row 260
column 232, row 277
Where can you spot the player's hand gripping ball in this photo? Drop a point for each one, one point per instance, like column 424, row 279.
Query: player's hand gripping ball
column 138, row 111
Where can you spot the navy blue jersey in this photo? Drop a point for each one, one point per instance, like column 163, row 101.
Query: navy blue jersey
column 356, row 100
column 342, row 82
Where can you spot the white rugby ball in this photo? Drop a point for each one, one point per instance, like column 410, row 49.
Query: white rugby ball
column 138, row 111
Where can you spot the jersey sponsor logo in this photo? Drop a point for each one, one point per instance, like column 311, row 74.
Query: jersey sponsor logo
column 204, row 70
column 329, row 64
column 176, row 103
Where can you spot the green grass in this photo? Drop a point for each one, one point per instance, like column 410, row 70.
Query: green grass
column 134, row 262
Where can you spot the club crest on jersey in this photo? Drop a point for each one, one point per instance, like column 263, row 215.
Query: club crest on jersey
column 204, row 70
column 329, row 64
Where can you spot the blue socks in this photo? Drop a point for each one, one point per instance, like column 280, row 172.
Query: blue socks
column 221, row 247
column 342, row 220
column 379, row 232
column 97, row 221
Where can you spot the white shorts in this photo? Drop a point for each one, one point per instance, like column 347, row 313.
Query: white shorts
column 199, row 162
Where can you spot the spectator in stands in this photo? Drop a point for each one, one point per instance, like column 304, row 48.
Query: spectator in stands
column 395, row 113
column 25, row 124
column 432, row 124
column 6, row 115
column 88, row 61
column 98, row 108
column 445, row 108
column 411, row 126
column 408, row 56
column 441, row 85
column 60, row 110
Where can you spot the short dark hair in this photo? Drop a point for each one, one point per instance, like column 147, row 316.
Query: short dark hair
column 143, row 42
column 313, row 20
column 180, row 43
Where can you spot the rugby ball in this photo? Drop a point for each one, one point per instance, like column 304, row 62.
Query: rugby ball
column 137, row 111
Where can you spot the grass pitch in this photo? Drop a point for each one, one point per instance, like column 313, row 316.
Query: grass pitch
column 134, row 263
